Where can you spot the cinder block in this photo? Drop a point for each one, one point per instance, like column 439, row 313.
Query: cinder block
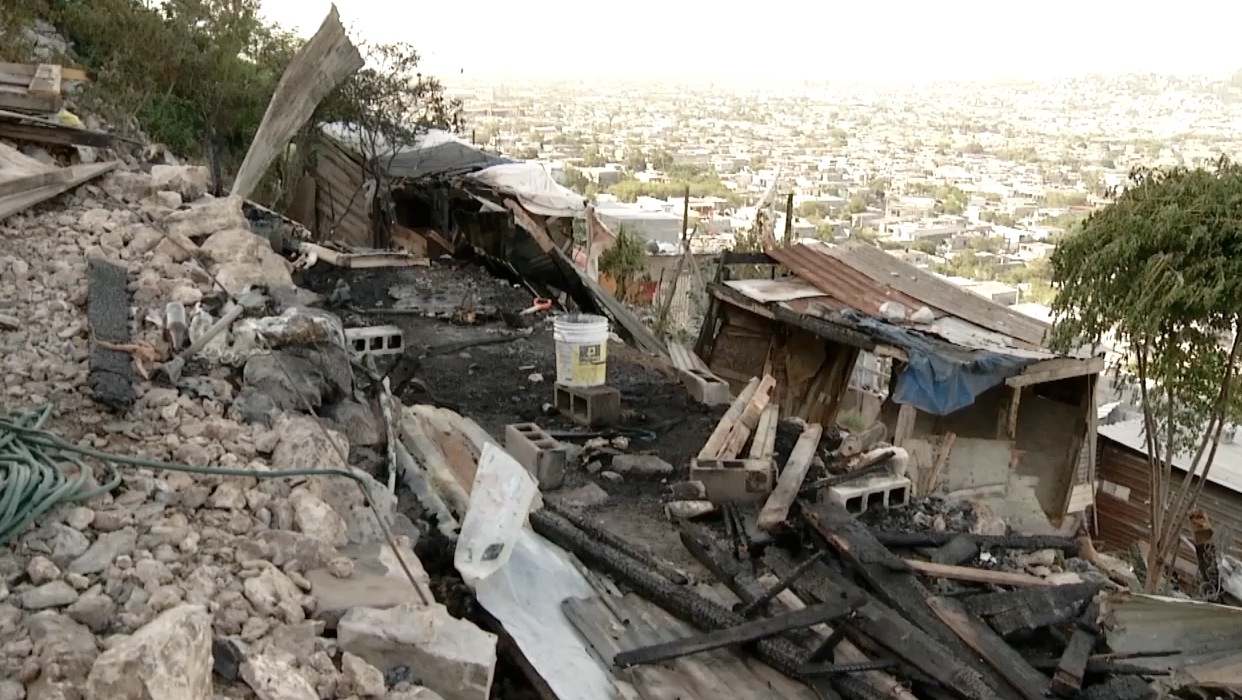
column 876, row 492
column 375, row 340
column 706, row 388
column 543, row 456
column 734, row 480
column 591, row 406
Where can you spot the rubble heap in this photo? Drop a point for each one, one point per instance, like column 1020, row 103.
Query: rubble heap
column 281, row 588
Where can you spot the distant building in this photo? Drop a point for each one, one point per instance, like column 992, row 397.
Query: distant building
column 657, row 226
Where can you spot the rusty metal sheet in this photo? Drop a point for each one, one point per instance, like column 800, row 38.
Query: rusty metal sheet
column 842, row 282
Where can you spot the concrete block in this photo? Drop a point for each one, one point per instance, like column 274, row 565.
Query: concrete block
column 876, row 492
column 375, row 340
column 543, row 456
column 706, row 388
column 591, row 406
column 734, row 480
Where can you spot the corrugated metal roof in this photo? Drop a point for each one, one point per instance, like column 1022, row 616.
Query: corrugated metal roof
column 864, row 277
column 707, row 676
column 840, row 281
column 1226, row 467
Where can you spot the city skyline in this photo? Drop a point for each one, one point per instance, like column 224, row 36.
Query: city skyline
column 968, row 40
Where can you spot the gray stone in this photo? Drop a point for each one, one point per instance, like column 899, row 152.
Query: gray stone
column 641, row 465
column 12, row 690
column 360, row 678
column 273, row 678
column 588, row 496
column 292, row 376
column 253, row 406
column 64, row 649
column 359, row 423
column 96, row 611
column 104, row 551
column 50, row 595
column 169, row 657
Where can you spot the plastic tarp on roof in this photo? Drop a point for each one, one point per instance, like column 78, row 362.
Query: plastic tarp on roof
column 941, row 377
column 435, row 152
column 533, row 187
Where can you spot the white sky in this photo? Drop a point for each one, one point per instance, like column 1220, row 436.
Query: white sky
column 893, row 40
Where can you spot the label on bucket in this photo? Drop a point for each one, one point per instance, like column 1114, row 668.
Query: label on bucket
column 582, row 365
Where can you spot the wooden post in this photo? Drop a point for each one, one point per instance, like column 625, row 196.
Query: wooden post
column 789, row 212
column 662, row 321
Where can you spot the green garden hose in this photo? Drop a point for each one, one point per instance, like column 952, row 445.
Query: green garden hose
column 39, row 470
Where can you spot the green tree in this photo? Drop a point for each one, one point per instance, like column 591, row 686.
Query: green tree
column 857, row 204
column 1058, row 199
column 1160, row 269
column 924, row 245
column 576, row 180
column 625, row 259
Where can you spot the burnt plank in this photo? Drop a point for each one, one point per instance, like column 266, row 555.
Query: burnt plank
column 890, row 580
column 1031, row 684
column 107, row 312
column 875, row 625
column 1032, row 608
column 1067, row 679
column 1119, row 688
column 738, row 634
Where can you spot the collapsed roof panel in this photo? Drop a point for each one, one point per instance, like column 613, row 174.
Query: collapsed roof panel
column 434, row 153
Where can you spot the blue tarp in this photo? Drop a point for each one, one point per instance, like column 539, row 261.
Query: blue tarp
column 941, row 377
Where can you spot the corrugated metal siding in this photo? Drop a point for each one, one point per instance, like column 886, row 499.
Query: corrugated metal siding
column 1125, row 522
column 341, row 206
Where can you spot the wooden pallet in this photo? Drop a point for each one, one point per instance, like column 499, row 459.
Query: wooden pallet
column 35, row 89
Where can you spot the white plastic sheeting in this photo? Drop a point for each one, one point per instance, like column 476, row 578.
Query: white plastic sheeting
column 533, row 187
column 524, row 584
column 435, row 152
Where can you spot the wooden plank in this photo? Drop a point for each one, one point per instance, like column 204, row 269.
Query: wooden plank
column 19, row 99
column 925, row 655
column 534, row 228
column 31, row 182
column 966, row 573
column 42, row 132
column 1056, row 369
column 716, row 441
column 776, row 510
column 764, row 444
column 23, row 73
column 749, row 419
column 322, row 63
column 847, row 652
column 80, row 174
column 1031, row 684
column 884, row 575
column 942, row 458
column 1067, row 680
column 46, row 81
column 739, row 634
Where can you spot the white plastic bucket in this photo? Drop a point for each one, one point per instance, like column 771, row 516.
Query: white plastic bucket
column 581, row 349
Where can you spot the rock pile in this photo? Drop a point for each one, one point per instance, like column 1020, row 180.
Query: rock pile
column 195, row 587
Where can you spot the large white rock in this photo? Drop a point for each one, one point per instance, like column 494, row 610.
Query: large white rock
column 202, row 220
column 454, row 657
column 234, row 245
column 169, row 657
column 316, row 518
column 189, row 181
column 273, row 678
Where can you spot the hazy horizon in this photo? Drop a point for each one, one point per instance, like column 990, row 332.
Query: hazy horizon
column 965, row 40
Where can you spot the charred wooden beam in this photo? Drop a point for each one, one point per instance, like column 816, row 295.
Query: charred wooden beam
column 875, row 625
column 1119, row 688
column 1067, row 680
column 678, row 600
column 958, row 550
column 737, row 634
column 881, row 570
column 770, row 594
column 622, row 545
column 1032, row 608
column 1031, row 684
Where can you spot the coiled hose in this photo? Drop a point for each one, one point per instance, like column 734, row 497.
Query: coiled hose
column 39, row 470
